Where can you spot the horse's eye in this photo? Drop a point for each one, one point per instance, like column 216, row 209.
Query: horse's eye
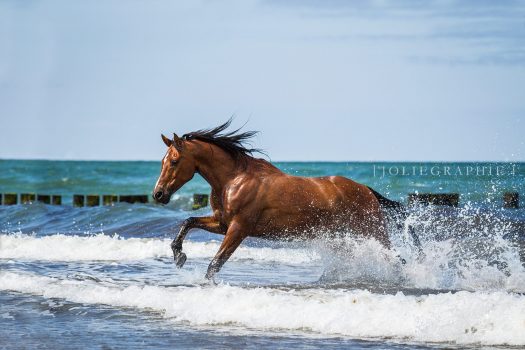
column 173, row 162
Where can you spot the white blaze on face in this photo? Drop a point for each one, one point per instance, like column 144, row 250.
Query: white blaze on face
column 164, row 161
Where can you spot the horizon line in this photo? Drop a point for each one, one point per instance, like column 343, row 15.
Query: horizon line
column 273, row 161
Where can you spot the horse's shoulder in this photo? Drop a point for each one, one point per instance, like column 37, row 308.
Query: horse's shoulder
column 241, row 187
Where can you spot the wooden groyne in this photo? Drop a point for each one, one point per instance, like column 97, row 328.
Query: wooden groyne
column 448, row 199
column 510, row 200
column 89, row 200
column 79, row 200
column 95, row 200
column 199, row 201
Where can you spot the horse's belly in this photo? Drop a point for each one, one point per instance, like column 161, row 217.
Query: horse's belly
column 299, row 224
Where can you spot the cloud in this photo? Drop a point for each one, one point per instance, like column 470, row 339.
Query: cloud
column 430, row 32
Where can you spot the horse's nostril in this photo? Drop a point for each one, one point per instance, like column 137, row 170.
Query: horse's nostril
column 158, row 195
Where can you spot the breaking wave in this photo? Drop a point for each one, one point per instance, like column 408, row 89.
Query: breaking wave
column 114, row 248
column 463, row 317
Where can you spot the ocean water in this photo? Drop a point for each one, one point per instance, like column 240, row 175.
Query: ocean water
column 104, row 277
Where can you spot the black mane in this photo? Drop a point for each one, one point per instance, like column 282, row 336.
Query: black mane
column 233, row 142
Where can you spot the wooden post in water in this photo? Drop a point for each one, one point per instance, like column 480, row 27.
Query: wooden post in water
column 134, row 198
column 27, row 198
column 10, row 199
column 56, row 199
column 511, row 200
column 448, row 199
column 92, row 200
column 44, row 198
column 199, row 201
column 109, row 199
column 78, row 200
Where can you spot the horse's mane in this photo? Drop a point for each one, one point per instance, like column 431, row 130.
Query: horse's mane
column 233, row 142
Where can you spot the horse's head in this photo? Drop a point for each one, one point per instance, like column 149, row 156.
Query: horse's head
column 178, row 167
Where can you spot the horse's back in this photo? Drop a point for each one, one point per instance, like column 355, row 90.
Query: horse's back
column 327, row 192
column 333, row 190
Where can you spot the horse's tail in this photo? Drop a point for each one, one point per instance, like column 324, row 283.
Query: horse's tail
column 399, row 213
column 390, row 204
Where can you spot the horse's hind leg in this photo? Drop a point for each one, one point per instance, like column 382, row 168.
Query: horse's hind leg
column 208, row 223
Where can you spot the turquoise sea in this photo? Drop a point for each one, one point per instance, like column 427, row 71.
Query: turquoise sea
column 103, row 277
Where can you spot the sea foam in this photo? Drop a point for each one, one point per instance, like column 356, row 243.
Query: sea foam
column 113, row 248
column 489, row 318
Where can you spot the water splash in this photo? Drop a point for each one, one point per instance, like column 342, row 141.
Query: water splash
column 462, row 249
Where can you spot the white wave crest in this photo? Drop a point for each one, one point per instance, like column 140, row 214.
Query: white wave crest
column 106, row 248
column 463, row 317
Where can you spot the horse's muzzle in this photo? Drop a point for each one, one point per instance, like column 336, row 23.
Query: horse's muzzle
column 161, row 197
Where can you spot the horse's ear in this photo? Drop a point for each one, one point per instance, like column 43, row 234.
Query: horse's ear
column 177, row 142
column 166, row 140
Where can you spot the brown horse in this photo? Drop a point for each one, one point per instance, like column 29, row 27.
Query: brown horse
column 251, row 197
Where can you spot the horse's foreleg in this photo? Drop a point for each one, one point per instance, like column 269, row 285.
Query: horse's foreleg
column 234, row 237
column 208, row 223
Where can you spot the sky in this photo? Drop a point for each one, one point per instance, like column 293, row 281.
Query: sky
column 329, row 80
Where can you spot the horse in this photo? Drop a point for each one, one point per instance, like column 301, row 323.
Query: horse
column 250, row 197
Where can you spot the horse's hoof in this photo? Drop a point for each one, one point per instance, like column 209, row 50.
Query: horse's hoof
column 180, row 259
column 210, row 277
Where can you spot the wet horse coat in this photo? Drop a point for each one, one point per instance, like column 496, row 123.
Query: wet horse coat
column 252, row 198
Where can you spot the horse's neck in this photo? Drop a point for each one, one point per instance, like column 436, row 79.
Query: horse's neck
column 215, row 165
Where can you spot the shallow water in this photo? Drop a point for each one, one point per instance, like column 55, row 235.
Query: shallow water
column 104, row 276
